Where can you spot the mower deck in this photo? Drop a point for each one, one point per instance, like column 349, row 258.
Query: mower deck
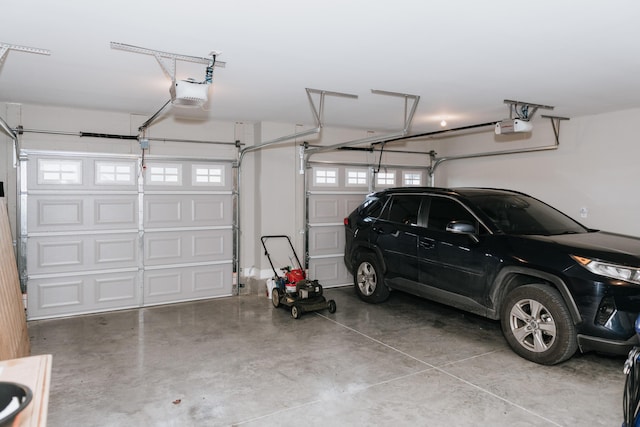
column 301, row 305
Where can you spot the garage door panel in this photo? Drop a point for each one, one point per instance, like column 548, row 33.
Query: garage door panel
column 351, row 204
column 188, row 246
column 64, row 253
column 328, row 240
column 325, row 208
column 61, row 293
column 187, row 283
column 59, row 296
column 56, row 255
column 163, row 283
column 163, row 211
column 59, row 212
column 160, row 248
column 111, row 212
column 214, row 245
column 116, row 251
column 81, row 212
column 116, row 289
column 212, row 210
column 332, row 208
column 207, row 280
column 330, row 271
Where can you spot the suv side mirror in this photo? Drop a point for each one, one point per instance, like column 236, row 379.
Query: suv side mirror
column 463, row 227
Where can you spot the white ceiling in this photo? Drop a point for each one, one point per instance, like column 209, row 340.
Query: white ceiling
column 463, row 58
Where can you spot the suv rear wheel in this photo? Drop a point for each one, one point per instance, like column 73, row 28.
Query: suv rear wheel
column 537, row 324
column 369, row 280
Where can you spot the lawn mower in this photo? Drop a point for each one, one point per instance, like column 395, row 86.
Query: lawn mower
column 292, row 289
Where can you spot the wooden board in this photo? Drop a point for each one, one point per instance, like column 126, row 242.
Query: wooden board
column 14, row 337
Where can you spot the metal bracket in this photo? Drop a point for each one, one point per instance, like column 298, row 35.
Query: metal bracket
column 318, row 113
column 408, row 113
column 381, row 139
column 555, row 123
column 5, row 47
column 168, row 60
column 524, row 110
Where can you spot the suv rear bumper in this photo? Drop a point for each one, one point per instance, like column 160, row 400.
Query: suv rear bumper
column 589, row 343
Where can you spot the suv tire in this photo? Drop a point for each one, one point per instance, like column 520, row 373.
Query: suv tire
column 537, row 324
column 369, row 280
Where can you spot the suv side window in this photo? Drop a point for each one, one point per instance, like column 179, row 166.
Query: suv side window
column 403, row 209
column 371, row 207
column 443, row 210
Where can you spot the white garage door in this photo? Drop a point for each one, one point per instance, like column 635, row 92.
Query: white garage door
column 94, row 238
column 334, row 191
column 188, row 231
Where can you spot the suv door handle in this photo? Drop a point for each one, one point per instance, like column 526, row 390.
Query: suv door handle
column 427, row 243
column 382, row 230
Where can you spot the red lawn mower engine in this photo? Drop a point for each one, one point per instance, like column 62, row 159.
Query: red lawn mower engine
column 295, row 281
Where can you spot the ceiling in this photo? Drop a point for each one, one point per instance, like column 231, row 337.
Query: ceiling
column 462, row 58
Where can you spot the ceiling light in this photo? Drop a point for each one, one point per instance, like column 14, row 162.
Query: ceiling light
column 443, row 123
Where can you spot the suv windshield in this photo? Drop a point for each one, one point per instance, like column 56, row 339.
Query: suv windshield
column 520, row 214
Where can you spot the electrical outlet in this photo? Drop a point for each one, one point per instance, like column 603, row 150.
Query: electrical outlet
column 584, row 212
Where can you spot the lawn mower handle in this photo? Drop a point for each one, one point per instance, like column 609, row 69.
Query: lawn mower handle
column 263, row 239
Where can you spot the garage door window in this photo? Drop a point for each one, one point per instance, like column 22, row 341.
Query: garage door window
column 114, row 173
column 411, row 178
column 164, row 174
column 55, row 171
column 208, row 175
column 357, row 177
column 325, row 177
column 386, row 179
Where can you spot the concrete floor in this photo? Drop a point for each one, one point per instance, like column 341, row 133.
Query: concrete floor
column 239, row 361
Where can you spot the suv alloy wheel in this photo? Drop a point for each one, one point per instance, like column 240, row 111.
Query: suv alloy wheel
column 537, row 324
column 369, row 280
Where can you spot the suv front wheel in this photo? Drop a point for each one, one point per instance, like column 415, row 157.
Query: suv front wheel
column 537, row 324
column 369, row 280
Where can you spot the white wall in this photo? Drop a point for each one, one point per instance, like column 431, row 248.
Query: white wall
column 594, row 167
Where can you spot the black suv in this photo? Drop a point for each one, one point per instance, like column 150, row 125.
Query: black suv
column 554, row 284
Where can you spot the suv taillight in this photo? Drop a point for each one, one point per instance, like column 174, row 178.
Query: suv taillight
column 346, row 221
